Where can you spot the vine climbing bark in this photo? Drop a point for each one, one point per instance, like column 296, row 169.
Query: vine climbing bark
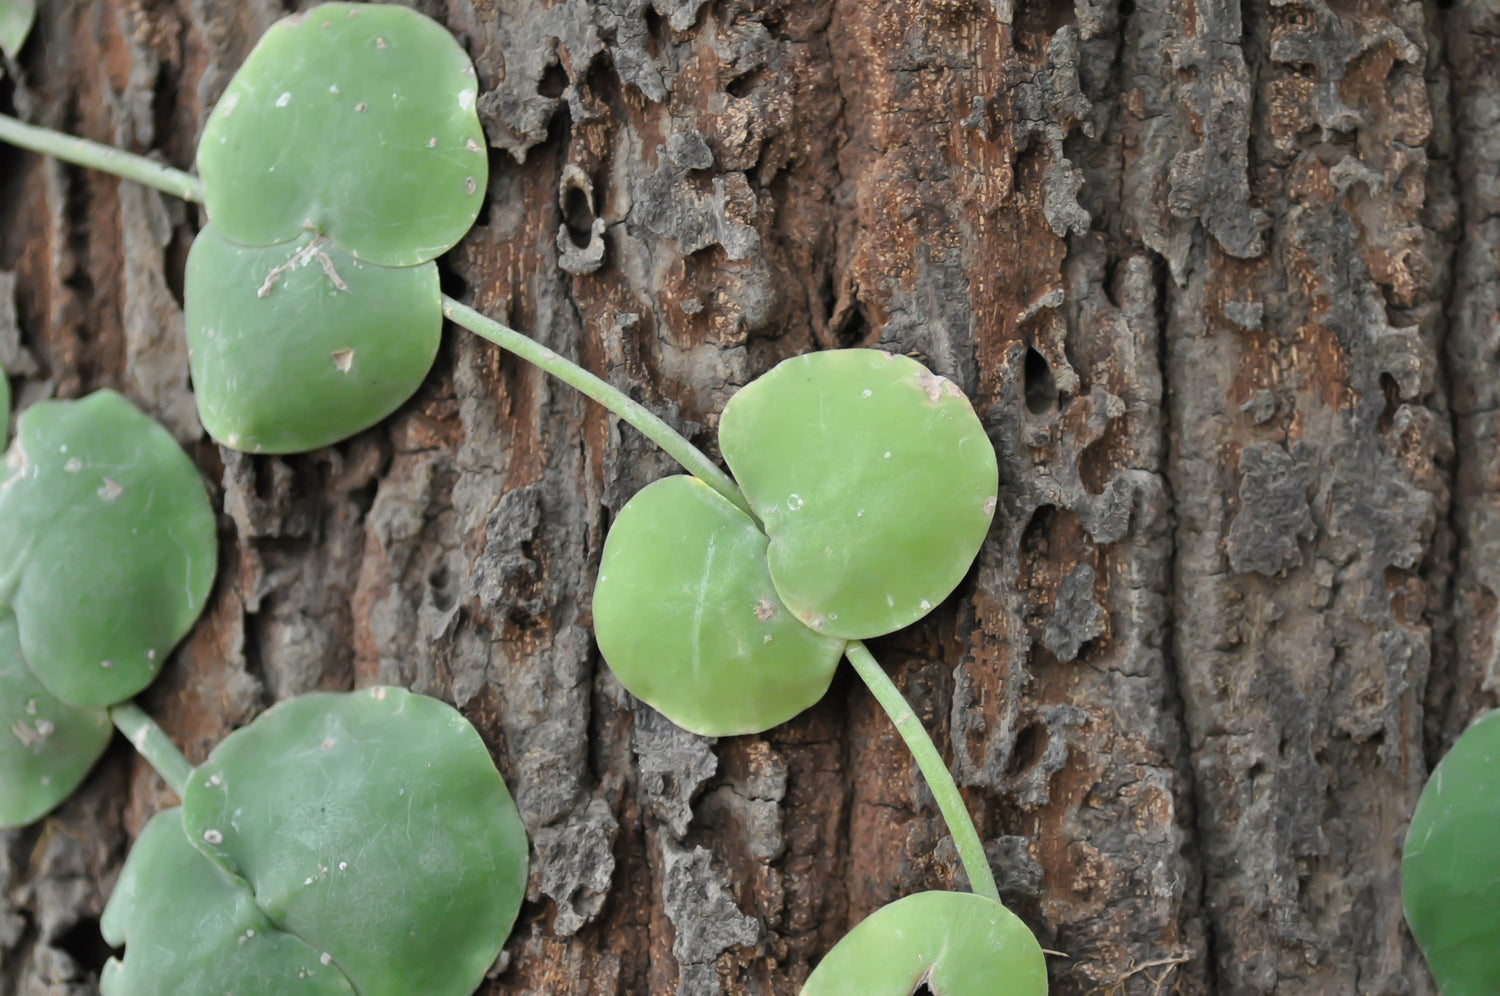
column 1218, row 275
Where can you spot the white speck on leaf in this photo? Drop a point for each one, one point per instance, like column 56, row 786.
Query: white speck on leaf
column 283, row 100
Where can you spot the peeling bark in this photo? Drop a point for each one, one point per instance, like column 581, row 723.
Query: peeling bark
column 1220, row 277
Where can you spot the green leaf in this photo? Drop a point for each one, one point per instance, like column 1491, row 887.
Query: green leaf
column 46, row 745
column 1450, row 872
column 689, row 621
column 107, row 546
column 374, row 826
column 16, row 17
column 956, row 943
column 353, row 121
column 874, row 479
column 189, row 928
column 297, row 346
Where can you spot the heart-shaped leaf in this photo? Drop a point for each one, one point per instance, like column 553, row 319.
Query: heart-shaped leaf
column 874, row 479
column 190, row 928
column 954, row 943
column 689, row 621
column 374, row 826
column 297, row 346
column 355, row 122
column 107, row 546
column 46, row 745
column 1450, row 872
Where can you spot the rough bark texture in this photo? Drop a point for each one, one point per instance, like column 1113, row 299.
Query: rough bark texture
column 1222, row 279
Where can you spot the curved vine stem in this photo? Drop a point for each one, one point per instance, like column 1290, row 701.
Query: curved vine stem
column 168, row 761
column 82, row 152
column 153, row 744
column 676, row 446
column 939, row 778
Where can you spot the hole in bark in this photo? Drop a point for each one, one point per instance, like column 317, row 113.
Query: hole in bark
column 1041, row 388
column 1392, row 394
column 1031, row 742
column 742, row 84
column 443, row 596
column 553, row 82
column 84, row 945
column 853, row 331
column 578, row 215
column 653, row 31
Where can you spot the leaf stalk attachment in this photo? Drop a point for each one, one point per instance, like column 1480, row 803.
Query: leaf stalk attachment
column 153, row 744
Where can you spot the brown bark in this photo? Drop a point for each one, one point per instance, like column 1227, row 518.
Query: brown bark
column 1221, row 279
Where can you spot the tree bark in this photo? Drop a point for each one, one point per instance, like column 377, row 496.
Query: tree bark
column 1221, row 279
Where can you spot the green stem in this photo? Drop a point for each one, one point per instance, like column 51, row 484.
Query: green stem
column 168, row 761
column 82, row 152
column 611, row 397
column 929, row 761
column 939, row 779
column 153, row 744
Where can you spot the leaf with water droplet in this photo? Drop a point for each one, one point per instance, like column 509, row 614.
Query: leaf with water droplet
column 187, row 926
column 356, row 122
column 108, row 546
column 297, row 346
column 46, row 745
column 875, row 482
column 374, row 826
column 955, row 943
column 1450, row 871
column 687, row 617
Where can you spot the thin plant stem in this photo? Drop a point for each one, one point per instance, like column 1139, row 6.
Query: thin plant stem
column 82, row 152
column 929, row 761
column 153, row 744
column 939, row 779
column 669, row 439
column 174, row 769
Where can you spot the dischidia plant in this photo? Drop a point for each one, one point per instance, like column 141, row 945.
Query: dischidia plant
column 313, row 311
column 297, row 826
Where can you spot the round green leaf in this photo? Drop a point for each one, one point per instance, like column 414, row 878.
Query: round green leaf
column 374, row 826
column 352, row 121
column 688, row 620
column 955, row 943
column 874, row 479
column 107, row 546
column 298, row 346
column 189, row 928
column 1450, row 872
column 46, row 745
